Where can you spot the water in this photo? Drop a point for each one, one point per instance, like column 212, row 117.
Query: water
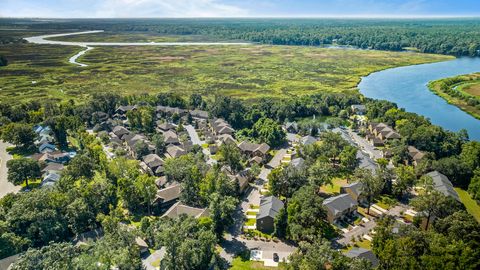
column 407, row 87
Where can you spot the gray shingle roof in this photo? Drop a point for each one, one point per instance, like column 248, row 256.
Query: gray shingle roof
column 339, row 203
column 443, row 185
column 269, row 206
column 363, row 254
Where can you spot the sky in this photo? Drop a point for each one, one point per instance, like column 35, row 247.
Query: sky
column 237, row 8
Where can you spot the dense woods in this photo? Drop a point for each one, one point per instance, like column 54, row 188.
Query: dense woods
column 458, row 37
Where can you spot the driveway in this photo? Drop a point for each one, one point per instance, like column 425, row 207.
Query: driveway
column 5, row 186
column 277, row 159
column 193, row 135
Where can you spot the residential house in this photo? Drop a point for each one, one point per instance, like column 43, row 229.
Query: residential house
column 242, row 178
column 383, row 131
column 161, row 181
column 50, row 179
column 163, row 127
column 307, row 140
column 86, row 237
column 269, row 208
column 170, row 137
column 169, row 111
column 142, row 245
column 220, row 126
column 225, row 139
column 415, row 154
column 152, row 164
column 359, row 109
column 354, row 190
column 199, row 114
column 340, row 207
column 167, row 196
column 291, row 127
column 442, row 184
column 120, row 132
column 297, row 162
column 253, row 149
column 174, row 151
column 46, row 148
column 53, row 167
column 255, row 160
column 362, row 253
column 179, row 209
column 122, row 110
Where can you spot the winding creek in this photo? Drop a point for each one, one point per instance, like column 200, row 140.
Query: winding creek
column 407, row 87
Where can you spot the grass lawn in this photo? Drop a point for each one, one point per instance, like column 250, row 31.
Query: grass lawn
column 39, row 72
column 240, row 264
column 251, row 213
column 335, row 187
column 250, row 222
column 472, row 207
column 386, row 202
column 32, row 184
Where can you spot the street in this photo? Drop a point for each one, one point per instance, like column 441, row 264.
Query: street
column 5, row 186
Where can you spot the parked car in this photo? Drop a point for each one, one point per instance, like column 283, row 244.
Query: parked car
column 275, row 257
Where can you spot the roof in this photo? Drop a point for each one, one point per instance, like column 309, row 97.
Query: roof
column 269, row 207
column 161, row 181
column 199, row 114
column 414, row 153
column 126, row 108
column 179, row 209
column 45, row 146
column 307, row 140
column 120, row 131
column 166, row 126
column 170, row 137
column 297, row 162
column 340, row 203
column 246, row 146
column 152, row 160
column 358, row 107
column 53, row 167
column 170, row 193
column 355, row 187
column 51, row 177
column 443, row 185
column 363, row 254
column 175, row 151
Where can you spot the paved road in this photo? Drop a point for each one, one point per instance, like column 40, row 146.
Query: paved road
column 193, row 135
column 5, row 186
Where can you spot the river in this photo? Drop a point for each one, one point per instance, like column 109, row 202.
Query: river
column 407, row 87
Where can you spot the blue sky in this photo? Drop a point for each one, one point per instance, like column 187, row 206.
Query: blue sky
column 237, row 8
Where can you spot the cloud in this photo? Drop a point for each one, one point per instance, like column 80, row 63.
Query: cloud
column 168, row 8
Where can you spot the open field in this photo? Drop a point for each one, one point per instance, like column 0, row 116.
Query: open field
column 462, row 91
column 247, row 72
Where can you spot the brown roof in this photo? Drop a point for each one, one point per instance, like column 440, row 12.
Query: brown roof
column 169, row 194
column 175, row 151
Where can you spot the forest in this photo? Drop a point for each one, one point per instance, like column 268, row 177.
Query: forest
column 457, row 37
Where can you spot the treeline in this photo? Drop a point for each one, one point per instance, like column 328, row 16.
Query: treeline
column 457, row 37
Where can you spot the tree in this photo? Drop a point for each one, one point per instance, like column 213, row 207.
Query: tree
column 430, row 202
column 18, row 134
column 80, row 166
column 141, row 149
column 191, row 187
column 195, row 100
column 471, row 154
column 371, row 185
column 348, row 158
column 54, row 256
column 285, row 181
column 230, row 155
column 474, row 187
column 221, row 212
column 332, row 145
column 405, row 180
column 321, row 173
column 3, row 61
column 159, row 141
column 306, row 215
column 22, row 169
column 268, row 131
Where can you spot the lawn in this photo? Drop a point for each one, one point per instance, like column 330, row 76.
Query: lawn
column 240, row 264
column 250, row 222
column 472, row 207
column 247, row 72
column 335, row 187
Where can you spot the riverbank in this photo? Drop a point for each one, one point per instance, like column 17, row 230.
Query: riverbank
column 453, row 91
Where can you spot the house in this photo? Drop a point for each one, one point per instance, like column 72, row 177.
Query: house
column 122, row 110
column 291, row 127
column 57, row 157
column 243, row 178
column 161, row 181
column 167, row 196
column 359, row 109
column 415, row 154
column 253, row 149
column 220, row 126
column 90, row 236
column 213, row 149
column 297, row 162
column 383, row 131
column 199, row 114
column 179, row 209
column 170, row 137
column 255, row 160
column 50, row 179
column 166, row 110
column 362, row 253
column 307, row 140
column 142, row 245
column 120, row 131
column 53, row 167
column 163, row 127
column 46, row 148
column 174, row 151
column 269, row 209
column 354, row 190
column 442, row 184
column 225, row 139
column 339, row 207
column 153, row 164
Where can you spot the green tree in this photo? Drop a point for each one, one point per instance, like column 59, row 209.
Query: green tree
column 22, row 169
column 371, row 185
column 430, row 202
column 195, row 100
column 332, row 145
column 471, row 154
column 474, row 187
column 306, row 215
column 268, row 131
column 285, row 181
column 348, row 158
column 221, row 212
column 405, row 180
column 80, row 166
column 159, row 141
column 18, row 134
column 321, row 173
column 54, row 256
column 146, row 190
column 141, row 149
column 230, row 155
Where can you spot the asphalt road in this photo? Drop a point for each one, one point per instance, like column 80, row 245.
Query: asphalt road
column 5, row 186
